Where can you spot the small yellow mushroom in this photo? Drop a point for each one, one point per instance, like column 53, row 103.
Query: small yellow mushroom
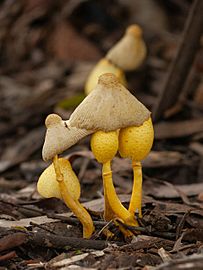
column 130, row 52
column 135, row 143
column 126, row 55
column 60, row 181
column 48, row 187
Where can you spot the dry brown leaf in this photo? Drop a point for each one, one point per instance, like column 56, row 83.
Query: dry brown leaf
column 162, row 191
column 66, row 44
column 168, row 130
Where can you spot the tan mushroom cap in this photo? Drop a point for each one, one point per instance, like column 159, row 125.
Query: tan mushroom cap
column 129, row 52
column 59, row 136
column 110, row 106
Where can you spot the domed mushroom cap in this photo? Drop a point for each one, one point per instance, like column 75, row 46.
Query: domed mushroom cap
column 48, row 187
column 110, row 106
column 59, row 136
column 130, row 51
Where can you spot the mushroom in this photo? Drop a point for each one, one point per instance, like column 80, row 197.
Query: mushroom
column 103, row 66
column 60, row 136
column 59, row 180
column 108, row 108
column 127, row 54
column 135, row 143
column 105, row 112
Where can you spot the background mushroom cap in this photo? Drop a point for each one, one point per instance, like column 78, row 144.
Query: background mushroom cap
column 129, row 52
column 103, row 66
column 110, row 106
column 59, row 136
column 48, row 187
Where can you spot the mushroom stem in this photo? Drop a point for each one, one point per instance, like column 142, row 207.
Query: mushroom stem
column 108, row 212
column 136, row 197
column 80, row 212
column 59, row 175
column 112, row 198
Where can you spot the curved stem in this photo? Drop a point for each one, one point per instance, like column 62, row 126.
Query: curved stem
column 80, row 212
column 136, row 197
column 113, row 199
column 77, row 208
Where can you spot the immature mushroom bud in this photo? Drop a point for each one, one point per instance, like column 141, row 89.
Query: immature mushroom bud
column 48, row 186
column 126, row 54
column 60, row 181
column 130, row 51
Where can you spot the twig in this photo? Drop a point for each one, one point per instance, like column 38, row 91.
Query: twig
column 8, row 256
column 74, row 221
column 43, row 227
column 190, row 262
column 53, row 241
column 166, row 235
column 181, row 224
column 181, row 65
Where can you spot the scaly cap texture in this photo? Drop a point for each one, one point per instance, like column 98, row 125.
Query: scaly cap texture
column 110, row 106
column 129, row 52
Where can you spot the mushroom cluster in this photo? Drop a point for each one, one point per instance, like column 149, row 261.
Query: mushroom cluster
column 126, row 55
column 117, row 122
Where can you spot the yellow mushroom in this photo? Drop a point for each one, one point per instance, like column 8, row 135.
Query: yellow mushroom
column 65, row 186
column 104, row 146
column 48, row 186
column 130, row 52
column 59, row 180
column 107, row 109
column 103, row 66
column 127, row 54
column 135, row 143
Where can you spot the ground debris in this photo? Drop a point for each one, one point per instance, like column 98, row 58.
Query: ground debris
column 48, row 49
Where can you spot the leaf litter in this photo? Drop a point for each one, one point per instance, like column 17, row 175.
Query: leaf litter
column 40, row 70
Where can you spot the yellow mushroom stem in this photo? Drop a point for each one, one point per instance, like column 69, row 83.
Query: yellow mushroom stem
column 104, row 146
column 80, row 212
column 112, row 199
column 136, row 197
column 135, row 142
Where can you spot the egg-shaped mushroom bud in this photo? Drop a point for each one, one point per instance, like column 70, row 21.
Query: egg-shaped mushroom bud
column 108, row 108
column 59, row 181
column 103, row 66
column 48, row 186
column 135, row 142
column 130, row 52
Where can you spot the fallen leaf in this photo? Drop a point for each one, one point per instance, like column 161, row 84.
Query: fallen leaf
column 177, row 129
column 66, row 44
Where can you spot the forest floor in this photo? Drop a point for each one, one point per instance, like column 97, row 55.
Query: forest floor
column 47, row 51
